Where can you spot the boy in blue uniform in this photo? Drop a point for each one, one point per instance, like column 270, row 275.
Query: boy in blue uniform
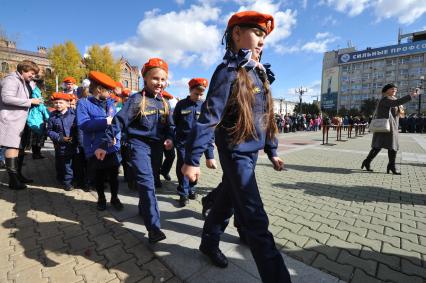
column 239, row 109
column 186, row 113
column 146, row 120
column 62, row 130
column 94, row 114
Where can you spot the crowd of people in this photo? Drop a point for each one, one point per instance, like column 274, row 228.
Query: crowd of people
column 99, row 125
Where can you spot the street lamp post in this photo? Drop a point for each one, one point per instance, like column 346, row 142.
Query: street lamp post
column 422, row 78
column 301, row 91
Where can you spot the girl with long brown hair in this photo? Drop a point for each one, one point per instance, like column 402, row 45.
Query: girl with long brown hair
column 239, row 109
column 148, row 128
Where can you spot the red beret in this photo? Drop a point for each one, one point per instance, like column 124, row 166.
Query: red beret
column 263, row 21
column 69, row 80
column 125, row 92
column 198, row 82
column 115, row 97
column 103, row 79
column 61, row 96
column 166, row 95
column 154, row 63
column 120, row 85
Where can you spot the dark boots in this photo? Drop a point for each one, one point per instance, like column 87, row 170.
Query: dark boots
column 391, row 164
column 12, row 171
column 366, row 163
column 20, row 176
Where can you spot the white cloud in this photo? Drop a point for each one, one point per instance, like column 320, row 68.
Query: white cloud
column 329, row 21
column 304, row 4
column 180, row 2
column 178, row 37
column 319, row 45
column 313, row 92
column 351, row 7
column 406, row 11
column 284, row 21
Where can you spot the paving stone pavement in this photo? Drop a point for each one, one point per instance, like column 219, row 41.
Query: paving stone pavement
column 325, row 213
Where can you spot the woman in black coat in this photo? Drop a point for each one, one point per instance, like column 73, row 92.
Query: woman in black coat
column 389, row 104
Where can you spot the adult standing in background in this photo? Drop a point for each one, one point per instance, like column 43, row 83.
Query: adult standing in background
column 388, row 107
column 14, row 104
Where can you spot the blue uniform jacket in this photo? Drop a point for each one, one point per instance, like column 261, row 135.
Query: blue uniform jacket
column 154, row 125
column 214, row 107
column 91, row 119
column 185, row 115
column 63, row 125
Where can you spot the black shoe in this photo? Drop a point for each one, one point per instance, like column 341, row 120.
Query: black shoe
column 366, row 164
column 68, row 188
column 216, row 256
column 101, row 206
column 166, row 177
column 155, row 236
column 393, row 169
column 192, row 196
column 183, row 201
column 38, row 156
column 11, row 167
column 116, row 203
column 85, row 188
column 24, row 180
column 207, row 206
column 158, row 184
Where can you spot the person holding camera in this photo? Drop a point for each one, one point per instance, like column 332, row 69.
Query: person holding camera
column 389, row 106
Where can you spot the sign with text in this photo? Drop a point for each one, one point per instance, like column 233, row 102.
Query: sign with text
column 375, row 53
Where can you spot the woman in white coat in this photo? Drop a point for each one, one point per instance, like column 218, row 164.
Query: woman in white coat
column 15, row 102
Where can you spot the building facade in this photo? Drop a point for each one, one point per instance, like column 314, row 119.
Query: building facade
column 350, row 76
column 282, row 106
column 10, row 58
column 129, row 75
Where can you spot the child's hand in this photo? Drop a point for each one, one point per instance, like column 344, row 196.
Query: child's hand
column 100, row 154
column 211, row 163
column 168, row 144
column 278, row 163
column 192, row 172
column 67, row 139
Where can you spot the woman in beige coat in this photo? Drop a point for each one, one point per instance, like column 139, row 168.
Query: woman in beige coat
column 14, row 104
column 388, row 107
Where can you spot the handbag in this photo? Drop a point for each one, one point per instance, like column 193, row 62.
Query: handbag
column 381, row 125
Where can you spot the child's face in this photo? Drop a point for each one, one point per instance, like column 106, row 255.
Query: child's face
column 155, row 80
column 69, row 86
column 196, row 94
column 73, row 104
column 60, row 105
column 249, row 38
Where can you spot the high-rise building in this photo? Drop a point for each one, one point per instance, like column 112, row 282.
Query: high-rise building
column 350, row 76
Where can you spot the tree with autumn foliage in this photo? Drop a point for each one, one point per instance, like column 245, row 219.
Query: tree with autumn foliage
column 66, row 61
column 100, row 59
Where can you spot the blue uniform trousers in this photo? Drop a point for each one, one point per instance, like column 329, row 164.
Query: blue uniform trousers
column 169, row 158
column 146, row 163
column 240, row 195
column 80, row 168
column 64, row 172
column 185, row 187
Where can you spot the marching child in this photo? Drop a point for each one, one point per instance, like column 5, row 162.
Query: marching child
column 185, row 114
column 148, row 126
column 239, row 110
column 94, row 114
column 62, row 130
